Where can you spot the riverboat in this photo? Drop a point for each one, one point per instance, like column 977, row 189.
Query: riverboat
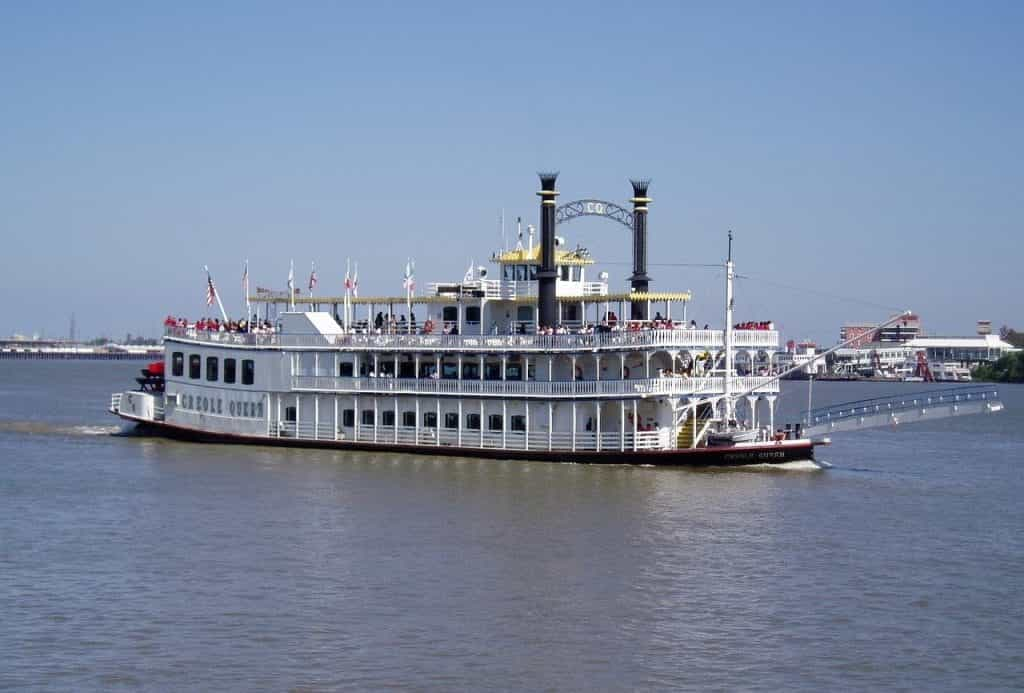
column 540, row 362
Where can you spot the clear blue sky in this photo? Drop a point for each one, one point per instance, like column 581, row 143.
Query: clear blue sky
column 869, row 150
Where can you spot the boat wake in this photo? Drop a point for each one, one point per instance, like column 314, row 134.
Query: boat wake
column 794, row 466
column 47, row 428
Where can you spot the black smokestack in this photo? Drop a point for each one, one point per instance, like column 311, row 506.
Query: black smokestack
column 639, row 282
column 547, row 275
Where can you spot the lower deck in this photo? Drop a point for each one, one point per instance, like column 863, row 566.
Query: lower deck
column 776, row 452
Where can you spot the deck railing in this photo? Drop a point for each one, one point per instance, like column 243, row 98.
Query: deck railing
column 476, row 438
column 641, row 387
column 671, row 338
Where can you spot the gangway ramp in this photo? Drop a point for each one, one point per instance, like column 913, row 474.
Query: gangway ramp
column 902, row 409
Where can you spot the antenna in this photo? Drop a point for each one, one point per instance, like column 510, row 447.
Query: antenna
column 729, row 259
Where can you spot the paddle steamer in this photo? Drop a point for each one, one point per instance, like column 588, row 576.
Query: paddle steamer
column 540, row 362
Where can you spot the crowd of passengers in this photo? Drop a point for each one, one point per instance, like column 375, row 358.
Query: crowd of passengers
column 752, row 325
column 216, row 325
column 398, row 324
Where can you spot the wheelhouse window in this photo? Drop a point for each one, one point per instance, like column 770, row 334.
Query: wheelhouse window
column 430, row 419
column 518, row 422
column 387, row 417
column 348, row 418
column 195, row 363
column 177, row 364
column 345, row 370
column 409, row 418
column 367, row 417
column 451, row 420
column 248, row 372
column 472, row 313
column 449, row 314
column 211, row 368
column 289, row 414
column 473, row 422
column 230, row 366
column 494, row 422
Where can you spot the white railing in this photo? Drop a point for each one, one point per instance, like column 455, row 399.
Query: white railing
column 475, row 438
column 641, row 387
column 681, row 339
column 115, row 402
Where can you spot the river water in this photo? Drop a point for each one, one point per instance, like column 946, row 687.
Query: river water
column 130, row 562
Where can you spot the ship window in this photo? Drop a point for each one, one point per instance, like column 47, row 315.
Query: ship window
column 178, row 364
column 248, row 372
column 211, row 368
column 513, row 372
column 506, row 272
column 518, row 423
column 387, row 418
column 473, row 422
column 449, row 371
column 451, row 420
column 229, row 370
column 348, row 417
column 194, row 364
column 494, row 422
column 345, row 370
column 407, row 369
column 409, row 418
column 450, row 314
column 563, row 272
column 533, row 273
column 472, row 313
column 367, row 417
column 470, row 371
column 520, row 273
column 492, row 371
column 430, row 419
column 289, row 414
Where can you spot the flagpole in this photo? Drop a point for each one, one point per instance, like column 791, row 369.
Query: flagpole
column 245, row 291
column 291, row 284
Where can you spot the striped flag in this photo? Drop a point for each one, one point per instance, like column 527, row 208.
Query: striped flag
column 355, row 282
column 348, row 278
column 312, row 279
column 211, row 292
column 409, row 279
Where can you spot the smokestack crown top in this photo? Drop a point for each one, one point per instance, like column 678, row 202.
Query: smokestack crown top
column 547, row 181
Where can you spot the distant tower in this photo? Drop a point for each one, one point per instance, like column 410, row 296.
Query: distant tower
column 73, row 332
column 639, row 282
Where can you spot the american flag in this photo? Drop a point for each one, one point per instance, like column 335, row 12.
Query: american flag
column 355, row 282
column 348, row 279
column 312, row 279
column 211, row 292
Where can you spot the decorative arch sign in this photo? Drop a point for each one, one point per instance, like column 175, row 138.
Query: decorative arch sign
column 594, row 208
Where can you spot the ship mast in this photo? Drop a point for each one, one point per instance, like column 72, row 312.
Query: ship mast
column 727, row 390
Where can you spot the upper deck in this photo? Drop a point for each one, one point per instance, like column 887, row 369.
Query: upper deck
column 624, row 340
